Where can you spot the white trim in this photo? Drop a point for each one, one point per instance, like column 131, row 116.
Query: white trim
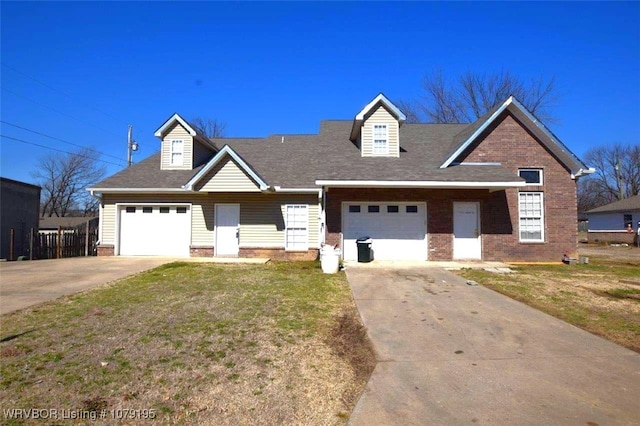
column 513, row 101
column 477, row 164
column 141, row 190
column 475, row 134
column 175, row 117
column 623, row 231
column 226, row 150
column 286, row 226
column 420, row 184
column 542, row 218
column 386, row 102
column 583, row 172
column 533, row 169
column 118, row 206
column 299, row 190
column 176, row 151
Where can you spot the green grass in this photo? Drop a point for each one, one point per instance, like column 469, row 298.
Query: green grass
column 179, row 332
column 578, row 294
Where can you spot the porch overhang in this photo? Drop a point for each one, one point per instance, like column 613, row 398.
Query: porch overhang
column 491, row 186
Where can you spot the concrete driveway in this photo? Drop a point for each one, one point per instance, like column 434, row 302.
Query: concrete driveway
column 23, row 284
column 449, row 354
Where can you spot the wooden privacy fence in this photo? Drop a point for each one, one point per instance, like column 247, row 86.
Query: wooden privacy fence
column 65, row 242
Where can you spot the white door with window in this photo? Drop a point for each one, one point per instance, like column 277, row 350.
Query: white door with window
column 398, row 230
column 154, row 230
column 227, row 229
column 467, row 243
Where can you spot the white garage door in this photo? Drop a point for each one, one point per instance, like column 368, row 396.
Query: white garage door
column 398, row 230
column 161, row 230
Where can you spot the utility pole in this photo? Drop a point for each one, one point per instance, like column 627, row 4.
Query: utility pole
column 131, row 146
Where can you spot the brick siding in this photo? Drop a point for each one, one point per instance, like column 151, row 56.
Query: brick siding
column 105, row 250
column 201, row 251
column 279, row 254
column 507, row 142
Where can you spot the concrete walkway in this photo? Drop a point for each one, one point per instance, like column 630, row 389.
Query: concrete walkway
column 449, row 354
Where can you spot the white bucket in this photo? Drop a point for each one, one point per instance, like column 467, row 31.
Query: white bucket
column 330, row 260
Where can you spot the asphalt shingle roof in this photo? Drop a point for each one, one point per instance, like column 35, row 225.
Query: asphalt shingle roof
column 297, row 161
column 626, row 204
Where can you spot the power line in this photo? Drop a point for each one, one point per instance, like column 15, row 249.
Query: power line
column 56, row 90
column 61, row 140
column 55, row 110
column 59, row 150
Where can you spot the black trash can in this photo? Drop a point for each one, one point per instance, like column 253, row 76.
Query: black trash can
column 365, row 253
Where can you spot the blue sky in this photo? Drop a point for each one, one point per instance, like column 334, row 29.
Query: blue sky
column 83, row 72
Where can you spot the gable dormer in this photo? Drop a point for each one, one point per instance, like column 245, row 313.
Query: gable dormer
column 376, row 129
column 182, row 146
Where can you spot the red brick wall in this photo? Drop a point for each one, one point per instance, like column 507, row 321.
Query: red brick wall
column 509, row 143
column 201, row 251
column 279, row 254
column 506, row 142
column 105, row 250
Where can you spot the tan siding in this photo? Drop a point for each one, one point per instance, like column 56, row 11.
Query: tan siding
column 177, row 132
column 380, row 116
column 201, row 154
column 227, row 176
column 261, row 216
column 108, row 224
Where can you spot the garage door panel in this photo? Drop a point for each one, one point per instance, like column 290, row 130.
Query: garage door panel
column 155, row 233
column 398, row 230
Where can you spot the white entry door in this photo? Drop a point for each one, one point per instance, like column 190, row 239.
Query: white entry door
column 466, row 231
column 227, row 223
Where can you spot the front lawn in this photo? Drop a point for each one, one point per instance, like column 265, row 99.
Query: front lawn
column 602, row 297
column 206, row 343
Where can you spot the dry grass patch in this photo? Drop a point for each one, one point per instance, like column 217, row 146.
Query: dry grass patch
column 197, row 343
column 602, row 297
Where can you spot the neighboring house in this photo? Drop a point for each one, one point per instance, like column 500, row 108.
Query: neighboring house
column 616, row 222
column 20, row 208
column 50, row 225
column 502, row 188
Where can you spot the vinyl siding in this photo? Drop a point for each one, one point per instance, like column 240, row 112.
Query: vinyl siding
column 177, row 132
column 227, row 176
column 201, row 154
column 380, row 116
column 261, row 216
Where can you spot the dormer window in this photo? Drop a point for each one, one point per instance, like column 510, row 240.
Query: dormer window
column 380, row 139
column 177, row 150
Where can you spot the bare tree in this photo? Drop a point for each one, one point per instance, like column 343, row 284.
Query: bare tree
column 63, row 178
column 617, row 175
column 471, row 95
column 209, row 127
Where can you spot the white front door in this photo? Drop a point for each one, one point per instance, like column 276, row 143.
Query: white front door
column 227, row 223
column 466, row 231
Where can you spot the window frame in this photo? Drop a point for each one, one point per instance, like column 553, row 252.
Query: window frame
column 521, row 217
column 532, row 169
column 380, row 139
column 301, row 227
column 174, row 152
